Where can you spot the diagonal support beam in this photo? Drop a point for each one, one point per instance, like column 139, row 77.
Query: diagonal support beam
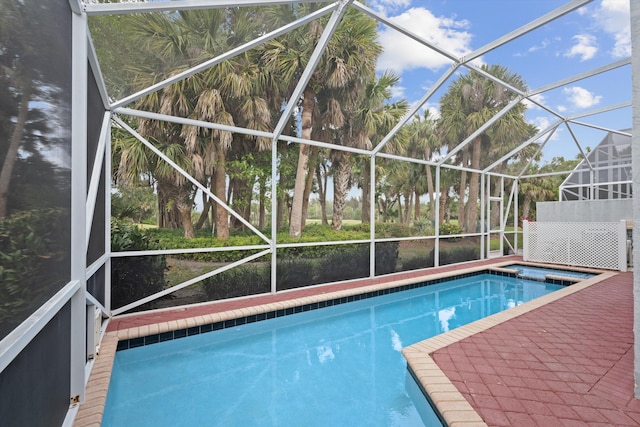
column 523, row 145
column 415, row 109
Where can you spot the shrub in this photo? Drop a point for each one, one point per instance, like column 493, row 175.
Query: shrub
column 448, row 228
column 34, row 262
column 459, row 254
column 294, row 273
column 344, row 263
column 248, row 279
column 418, row 262
column 133, row 278
column 386, row 257
column 392, row 229
column 423, row 226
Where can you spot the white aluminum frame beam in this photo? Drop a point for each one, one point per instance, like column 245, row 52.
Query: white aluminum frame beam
column 386, row 21
column 97, row 74
column 96, row 174
column 168, row 6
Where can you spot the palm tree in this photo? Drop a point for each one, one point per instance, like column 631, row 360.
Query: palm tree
column 347, row 63
column 224, row 94
column 423, row 143
column 469, row 103
column 364, row 124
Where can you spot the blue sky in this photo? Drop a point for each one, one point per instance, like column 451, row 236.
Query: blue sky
column 590, row 37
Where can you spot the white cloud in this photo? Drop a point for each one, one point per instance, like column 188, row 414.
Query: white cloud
column 581, row 97
column 434, row 110
column 543, row 123
column 398, row 91
column 585, row 47
column 537, row 98
column 562, row 108
column 542, row 45
column 401, row 53
column 385, row 6
column 613, row 17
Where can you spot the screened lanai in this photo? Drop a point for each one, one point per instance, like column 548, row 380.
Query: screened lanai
column 159, row 154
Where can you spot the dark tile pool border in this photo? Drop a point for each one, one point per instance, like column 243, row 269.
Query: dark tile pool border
column 126, row 344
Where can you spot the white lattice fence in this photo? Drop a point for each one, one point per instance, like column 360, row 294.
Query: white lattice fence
column 585, row 244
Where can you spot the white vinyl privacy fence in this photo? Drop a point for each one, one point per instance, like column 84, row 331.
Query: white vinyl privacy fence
column 585, row 244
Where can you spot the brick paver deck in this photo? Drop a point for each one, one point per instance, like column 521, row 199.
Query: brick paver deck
column 567, row 363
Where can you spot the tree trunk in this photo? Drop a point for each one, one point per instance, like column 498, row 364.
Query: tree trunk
column 280, row 210
column 407, row 207
column 242, row 195
column 220, row 186
column 366, row 193
column 168, row 215
column 206, row 205
column 471, row 221
column 416, row 210
column 342, row 173
column 308, row 185
column 14, row 146
column 463, row 188
column 400, row 218
column 526, row 205
column 295, row 223
column 444, row 195
column 431, row 192
column 322, row 193
column 262, row 204
column 184, row 206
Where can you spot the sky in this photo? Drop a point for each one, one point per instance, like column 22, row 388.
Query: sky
column 587, row 38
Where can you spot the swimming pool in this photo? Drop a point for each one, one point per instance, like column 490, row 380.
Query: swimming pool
column 535, row 272
column 340, row 365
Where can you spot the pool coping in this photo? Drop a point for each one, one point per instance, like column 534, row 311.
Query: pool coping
column 453, row 408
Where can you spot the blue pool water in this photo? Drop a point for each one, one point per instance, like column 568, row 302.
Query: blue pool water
column 541, row 272
column 335, row 366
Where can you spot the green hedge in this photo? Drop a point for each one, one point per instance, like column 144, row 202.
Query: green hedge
column 338, row 263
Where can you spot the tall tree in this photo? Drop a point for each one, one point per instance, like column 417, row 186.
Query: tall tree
column 423, row 143
column 347, row 63
column 469, row 103
column 364, row 124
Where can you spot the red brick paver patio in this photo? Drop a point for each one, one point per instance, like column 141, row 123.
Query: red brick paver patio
column 568, row 363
